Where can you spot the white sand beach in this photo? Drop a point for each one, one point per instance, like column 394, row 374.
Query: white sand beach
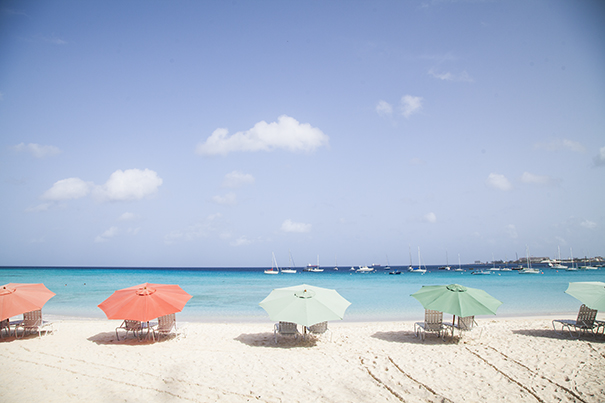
column 505, row 360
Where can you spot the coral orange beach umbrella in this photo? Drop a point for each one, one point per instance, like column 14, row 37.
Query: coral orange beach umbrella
column 144, row 302
column 18, row 298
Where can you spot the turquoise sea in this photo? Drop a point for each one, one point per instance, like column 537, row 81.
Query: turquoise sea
column 233, row 294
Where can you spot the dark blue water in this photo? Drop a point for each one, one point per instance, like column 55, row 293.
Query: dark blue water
column 233, row 294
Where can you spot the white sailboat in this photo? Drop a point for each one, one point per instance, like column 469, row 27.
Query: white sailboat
column 528, row 269
column 459, row 267
column 292, row 269
column 274, row 268
column 573, row 266
column 419, row 270
column 557, row 263
column 447, row 264
column 314, row 268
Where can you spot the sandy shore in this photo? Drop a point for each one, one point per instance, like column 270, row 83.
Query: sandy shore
column 506, row 360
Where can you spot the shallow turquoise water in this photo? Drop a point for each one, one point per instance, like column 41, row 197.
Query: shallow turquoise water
column 234, row 294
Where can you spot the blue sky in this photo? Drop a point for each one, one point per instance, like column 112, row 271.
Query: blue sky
column 196, row 133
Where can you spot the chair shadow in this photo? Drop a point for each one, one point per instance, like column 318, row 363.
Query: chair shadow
column 107, row 338
column 406, row 336
column 267, row 340
column 551, row 334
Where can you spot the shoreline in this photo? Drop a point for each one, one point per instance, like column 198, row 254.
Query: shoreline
column 504, row 359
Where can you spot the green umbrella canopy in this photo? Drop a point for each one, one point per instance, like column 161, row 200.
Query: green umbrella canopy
column 457, row 300
column 304, row 304
column 590, row 293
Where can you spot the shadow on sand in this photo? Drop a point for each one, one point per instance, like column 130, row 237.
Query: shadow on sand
column 110, row 338
column 267, row 340
column 551, row 334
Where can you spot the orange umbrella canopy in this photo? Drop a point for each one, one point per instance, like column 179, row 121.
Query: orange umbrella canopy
column 18, row 298
column 144, row 302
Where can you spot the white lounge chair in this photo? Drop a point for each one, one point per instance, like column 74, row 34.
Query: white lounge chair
column 319, row 329
column 465, row 324
column 584, row 322
column 433, row 323
column 165, row 325
column 32, row 321
column 133, row 326
column 285, row 329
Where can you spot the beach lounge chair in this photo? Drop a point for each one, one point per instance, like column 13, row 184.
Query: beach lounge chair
column 433, row 323
column 32, row 321
column 285, row 329
column 465, row 324
column 133, row 326
column 165, row 325
column 319, row 329
column 5, row 325
column 583, row 323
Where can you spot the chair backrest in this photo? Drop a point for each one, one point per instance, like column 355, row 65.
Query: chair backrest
column 166, row 322
column 433, row 320
column 4, row 323
column 586, row 317
column 319, row 328
column 132, row 325
column 32, row 318
column 287, row 328
column 466, row 323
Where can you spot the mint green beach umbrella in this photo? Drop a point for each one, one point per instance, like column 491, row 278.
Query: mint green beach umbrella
column 304, row 304
column 457, row 300
column 590, row 293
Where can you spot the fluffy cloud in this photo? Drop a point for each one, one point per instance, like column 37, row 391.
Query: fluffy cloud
column 588, row 224
column 65, row 189
column 383, row 108
column 410, row 105
column 532, row 179
column 291, row 226
column 37, row 150
column 227, row 200
column 287, row 134
column 131, row 184
column 451, row 77
column 127, row 217
column 498, row 181
column 237, row 179
column 430, row 218
column 110, row 233
column 599, row 160
column 561, row 145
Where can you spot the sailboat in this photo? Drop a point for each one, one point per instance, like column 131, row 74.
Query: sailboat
column 292, row 269
column 274, row 268
column 573, row 266
column 419, row 269
column 459, row 267
column 528, row 269
column 557, row 264
column 447, row 265
column 313, row 268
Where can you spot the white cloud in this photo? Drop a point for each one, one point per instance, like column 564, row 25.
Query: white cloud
column 599, row 160
column 65, row 189
column 287, row 134
column 464, row 76
column 227, row 200
column 511, row 231
column 383, row 108
column 588, row 224
column 38, row 208
column 410, row 105
column 533, row 179
column 127, row 217
column 561, row 145
column 131, row 184
column 110, row 233
column 430, row 218
column 241, row 241
column 237, row 179
column 291, row 226
column 37, row 150
column 498, row 181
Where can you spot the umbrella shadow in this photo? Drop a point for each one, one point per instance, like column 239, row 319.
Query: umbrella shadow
column 107, row 338
column 551, row 334
column 406, row 336
column 268, row 340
